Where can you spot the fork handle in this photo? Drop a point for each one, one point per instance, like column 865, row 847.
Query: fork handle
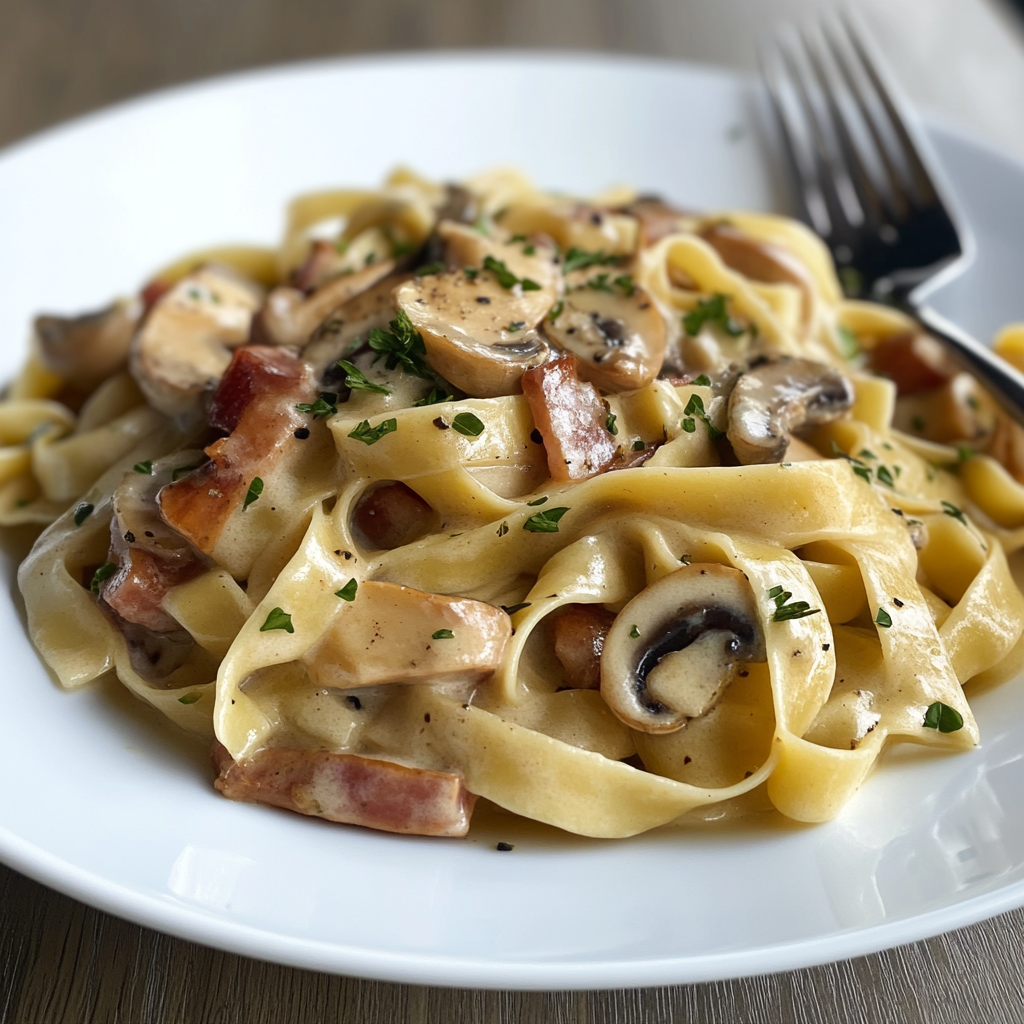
column 999, row 378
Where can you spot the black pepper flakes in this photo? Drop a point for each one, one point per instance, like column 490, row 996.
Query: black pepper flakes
column 302, row 433
column 441, row 423
column 426, row 718
column 354, row 702
column 504, row 847
column 130, row 537
column 826, row 647
column 483, row 300
column 896, row 601
column 535, row 436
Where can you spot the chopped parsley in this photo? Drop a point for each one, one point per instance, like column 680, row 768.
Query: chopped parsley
column 511, row 609
column 255, row 490
column 965, row 452
column 942, row 717
column 82, row 512
column 348, row 592
column 545, row 522
column 436, row 267
column 506, row 278
column 538, row 501
column 852, row 281
column 503, row 529
column 711, row 311
column 695, row 408
column 442, row 634
column 784, row 611
column 885, row 476
column 327, row 403
column 104, row 572
column 578, row 259
column 951, row 510
column 625, row 282
column 190, row 698
column 599, row 283
column 516, row 325
column 689, row 425
column 436, row 396
column 278, row 619
column 471, row 273
column 403, row 346
column 848, row 342
column 883, row 618
column 469, row 424
column 356, row 379
column 639, row 445
column 556, row 311
column 146, row 468
column 703, row 380
column 371, row 435
column 634, row 631
column 182, row 470
column 610, row 425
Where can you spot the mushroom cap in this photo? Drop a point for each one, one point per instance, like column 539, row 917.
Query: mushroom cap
column 478, row 333
column 184, row 345
column 778, row 395
column 614, row 328
column 674, row 648
column 89, row 348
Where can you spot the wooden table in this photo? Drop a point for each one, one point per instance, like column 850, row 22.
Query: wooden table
column 63, row 961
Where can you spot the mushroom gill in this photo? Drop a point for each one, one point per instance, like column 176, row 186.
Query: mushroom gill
column 778, row 395
column 675, row 647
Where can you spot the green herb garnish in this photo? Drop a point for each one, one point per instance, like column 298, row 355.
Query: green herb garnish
column 82, row 512
column 634, row 631
column 711, row 311
column 784, row 611
column 942, row 717
column 469, row 424
column 556, row 311
column 538, row 501
column 639, row 445
column 436, row 396
column 883, row 618
column 436, row 267
column 503, row 529
column 348, row 592
column 104, row 572
column 545, row 522
column 146, row 468
column 578, row 259
column 371, row 435
column 442, row 634
column 182, row 470
column 695, row 407
column 190, row 698
column 610, row 424
column 403, row 346
column 516, row 325
column 702, row 381
column 689, row 425
column 255, row 490
column 506, row 278
column 885, row 476
column 327, row 403
column 848, row 342
column 356, row 379
column 471, row 273
column 278, row 619
column 951, row 510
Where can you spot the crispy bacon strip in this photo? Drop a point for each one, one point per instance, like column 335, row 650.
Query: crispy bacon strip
column 571, row 419
column 139, row 585
column 255, row 402
column 580, row 630
column 914, row 362
column 350, row 789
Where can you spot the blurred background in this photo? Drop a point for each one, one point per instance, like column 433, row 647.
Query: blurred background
column 59, row 58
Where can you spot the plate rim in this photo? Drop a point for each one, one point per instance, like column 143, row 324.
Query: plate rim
column 192, row 923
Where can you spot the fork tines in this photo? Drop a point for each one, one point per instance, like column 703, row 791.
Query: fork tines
column 856, row 153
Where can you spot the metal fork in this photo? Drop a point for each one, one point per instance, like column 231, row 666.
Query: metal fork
column 871, row 187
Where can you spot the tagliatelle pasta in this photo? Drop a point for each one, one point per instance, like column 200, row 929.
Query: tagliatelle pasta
column 600, row 510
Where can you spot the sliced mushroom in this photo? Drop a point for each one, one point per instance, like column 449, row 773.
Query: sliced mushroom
column 657, row 218
column 393, row 634
column 480, row 331
column 777, row 396
column 352, row 319
column 289, row 316
column 914, row 362
column 676, row 646
column 613, row 326
column 761, row 261
column 89, row 348
column 574, row 226
column 186, row 340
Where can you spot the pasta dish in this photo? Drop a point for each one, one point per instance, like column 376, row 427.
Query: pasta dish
column 602, row 510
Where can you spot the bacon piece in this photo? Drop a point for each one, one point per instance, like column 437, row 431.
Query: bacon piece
column 580, row 630
column 256, row 401
column 914, row 362
column 392, row 515
column 571, row 419
column 139, row 585
column 349, row 789
column 153, row 293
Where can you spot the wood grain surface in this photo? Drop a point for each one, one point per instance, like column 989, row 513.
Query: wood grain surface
column 61, row 961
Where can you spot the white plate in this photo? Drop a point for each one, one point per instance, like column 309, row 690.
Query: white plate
column 113, row 806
